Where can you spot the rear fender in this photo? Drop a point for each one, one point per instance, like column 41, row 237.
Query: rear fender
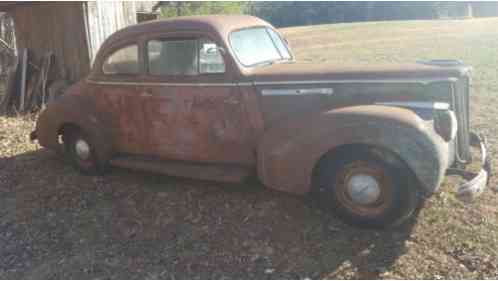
column 288, row 153
column 78, row 110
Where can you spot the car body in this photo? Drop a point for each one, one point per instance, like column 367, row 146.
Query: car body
column 222, row 97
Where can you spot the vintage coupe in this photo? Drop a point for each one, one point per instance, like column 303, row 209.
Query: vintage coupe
column 221, row 98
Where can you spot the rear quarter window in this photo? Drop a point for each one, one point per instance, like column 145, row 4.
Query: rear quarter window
column 122, row 61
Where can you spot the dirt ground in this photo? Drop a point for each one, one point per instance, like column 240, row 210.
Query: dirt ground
column 56, row 223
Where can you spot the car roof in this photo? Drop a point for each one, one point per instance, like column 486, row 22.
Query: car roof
column 218, row 25
column 221, row 24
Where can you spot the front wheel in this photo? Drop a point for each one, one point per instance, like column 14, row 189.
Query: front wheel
column 367, row 187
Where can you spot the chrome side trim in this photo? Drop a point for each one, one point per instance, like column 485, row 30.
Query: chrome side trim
column 418, row 104
column 288, row 92
column 269, row 83
column 360, row 81
column 245, row 84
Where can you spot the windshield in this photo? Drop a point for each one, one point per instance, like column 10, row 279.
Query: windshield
column 258, row 45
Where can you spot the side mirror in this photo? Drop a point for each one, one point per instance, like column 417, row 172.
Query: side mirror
column 285, row 41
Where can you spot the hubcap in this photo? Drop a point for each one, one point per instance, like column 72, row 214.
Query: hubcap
column 82, row 149
column 363, row 189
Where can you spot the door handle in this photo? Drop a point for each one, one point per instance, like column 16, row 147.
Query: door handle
column 231, row 100
column 146, row 94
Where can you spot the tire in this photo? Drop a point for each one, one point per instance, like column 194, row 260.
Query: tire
column 367, row 187
column 81, row 152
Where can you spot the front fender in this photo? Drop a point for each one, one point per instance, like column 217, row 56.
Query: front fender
column 288, row 153
column 75, row 109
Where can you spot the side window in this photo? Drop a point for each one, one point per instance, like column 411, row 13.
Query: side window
column 210, row 58
column 122, row 61
column 172, row 57
column 184, row 57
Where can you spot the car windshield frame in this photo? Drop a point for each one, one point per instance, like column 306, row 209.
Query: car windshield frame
column 263, row 62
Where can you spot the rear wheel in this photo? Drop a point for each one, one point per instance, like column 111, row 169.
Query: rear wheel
column 81, row 152
column 367, row 187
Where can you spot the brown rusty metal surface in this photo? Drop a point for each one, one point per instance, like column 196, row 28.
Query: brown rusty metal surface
column 216, row 124
column 325, row 71
column 204, row 124
column 230, row 118
column 288, row 152
column 121, row 107
column 76, row 108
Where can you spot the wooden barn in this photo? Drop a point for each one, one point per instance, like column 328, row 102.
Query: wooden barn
column 60, row 41
column 72, row 31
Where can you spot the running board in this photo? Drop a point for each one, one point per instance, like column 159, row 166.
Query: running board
column 212, row 172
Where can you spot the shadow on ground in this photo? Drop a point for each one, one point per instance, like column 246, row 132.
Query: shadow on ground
column 55, row 223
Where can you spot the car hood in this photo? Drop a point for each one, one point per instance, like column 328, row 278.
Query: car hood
column 310, row 71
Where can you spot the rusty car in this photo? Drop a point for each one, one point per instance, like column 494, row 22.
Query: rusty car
column 223, row 98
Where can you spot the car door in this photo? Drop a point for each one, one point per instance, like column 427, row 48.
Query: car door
column 118, row 97
column 194, row 110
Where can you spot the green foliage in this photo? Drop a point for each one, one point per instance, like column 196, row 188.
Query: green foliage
column 172, row 9
column 294, row 13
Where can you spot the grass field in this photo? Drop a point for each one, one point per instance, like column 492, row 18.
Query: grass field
column 55, row 223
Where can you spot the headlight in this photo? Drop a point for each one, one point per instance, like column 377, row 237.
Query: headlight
column 445, row 124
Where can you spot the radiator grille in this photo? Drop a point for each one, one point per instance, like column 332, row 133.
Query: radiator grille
column 462, row 112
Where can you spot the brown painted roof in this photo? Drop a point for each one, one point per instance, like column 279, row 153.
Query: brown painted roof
column 221, row 24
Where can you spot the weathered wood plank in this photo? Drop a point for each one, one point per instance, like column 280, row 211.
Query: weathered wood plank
column 106, row 17
column 24, row 70
column 58, row 27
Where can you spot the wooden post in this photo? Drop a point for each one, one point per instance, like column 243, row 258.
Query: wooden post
column 24, row 69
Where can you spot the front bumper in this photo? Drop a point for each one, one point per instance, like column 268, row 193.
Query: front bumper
column 476, row 182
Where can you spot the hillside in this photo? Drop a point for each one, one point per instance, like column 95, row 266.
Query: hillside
column 473, row 41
